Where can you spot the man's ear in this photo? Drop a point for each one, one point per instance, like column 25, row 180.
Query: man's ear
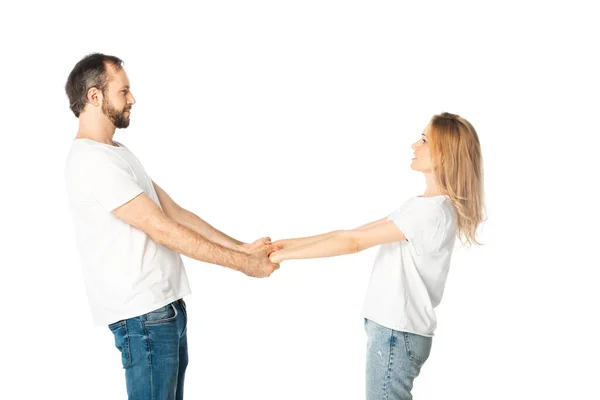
column 94, row 96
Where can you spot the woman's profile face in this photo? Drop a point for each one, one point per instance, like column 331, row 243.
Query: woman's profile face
column 422, row 160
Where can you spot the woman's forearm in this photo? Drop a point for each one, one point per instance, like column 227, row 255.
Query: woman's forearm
column 295, row 242
column 333, row 244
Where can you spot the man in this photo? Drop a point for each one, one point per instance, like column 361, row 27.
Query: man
column 130, row 234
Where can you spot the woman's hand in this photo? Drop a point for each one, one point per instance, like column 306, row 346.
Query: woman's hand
column 282, row 244
column 250, row 248
column 276, row 257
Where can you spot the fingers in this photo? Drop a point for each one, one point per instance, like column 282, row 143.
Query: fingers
column 273, row 268
column 261, row 264
column 271, row 249
column 275, row 257
column 275, row 247
column 259, row 244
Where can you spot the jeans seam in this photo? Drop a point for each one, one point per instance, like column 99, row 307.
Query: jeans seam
column 184, row 330
column 390, row 365
column 149, row 349
column 127, row 344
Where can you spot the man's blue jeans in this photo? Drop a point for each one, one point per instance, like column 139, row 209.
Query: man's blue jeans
column 394, row 360
column 154, row 353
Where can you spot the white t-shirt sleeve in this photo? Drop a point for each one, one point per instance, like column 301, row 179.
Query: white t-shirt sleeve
column 106, row 178
column 420, row 224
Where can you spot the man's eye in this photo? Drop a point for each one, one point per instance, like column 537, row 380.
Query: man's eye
column 424, row 141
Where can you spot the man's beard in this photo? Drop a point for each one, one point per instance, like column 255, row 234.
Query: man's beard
column 116, row 117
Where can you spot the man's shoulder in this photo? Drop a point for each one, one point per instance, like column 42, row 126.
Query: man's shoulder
column 85, row 154
column 90, row 149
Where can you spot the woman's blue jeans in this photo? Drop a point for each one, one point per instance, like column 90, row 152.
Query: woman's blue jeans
column 394, row 360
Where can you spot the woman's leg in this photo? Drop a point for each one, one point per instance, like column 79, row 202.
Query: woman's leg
column 394, row 360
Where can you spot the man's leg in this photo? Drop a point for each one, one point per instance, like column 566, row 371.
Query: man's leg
column 149, row 346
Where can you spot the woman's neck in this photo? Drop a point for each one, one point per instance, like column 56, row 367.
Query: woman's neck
column 431, row 186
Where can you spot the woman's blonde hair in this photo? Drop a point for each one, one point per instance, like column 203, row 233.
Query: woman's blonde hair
column 458, row 170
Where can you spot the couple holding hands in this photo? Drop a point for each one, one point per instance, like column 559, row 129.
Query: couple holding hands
column 130, row 235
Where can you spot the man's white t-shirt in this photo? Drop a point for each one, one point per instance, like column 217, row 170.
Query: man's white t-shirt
column 126, row 273
column 409, row 276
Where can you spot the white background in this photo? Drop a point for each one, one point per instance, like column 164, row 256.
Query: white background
column 288, row 118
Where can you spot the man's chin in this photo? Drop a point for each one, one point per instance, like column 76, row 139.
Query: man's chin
column 124, row 123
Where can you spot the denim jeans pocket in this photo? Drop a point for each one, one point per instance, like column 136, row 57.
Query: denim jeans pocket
column 161, row 315
column 119, row 330
column 417, row 347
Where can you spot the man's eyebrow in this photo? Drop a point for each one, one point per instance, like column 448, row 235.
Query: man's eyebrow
column 125, row 87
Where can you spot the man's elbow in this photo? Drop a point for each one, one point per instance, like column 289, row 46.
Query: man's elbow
column 158, row 230
column 159, row 237
column 174, row 212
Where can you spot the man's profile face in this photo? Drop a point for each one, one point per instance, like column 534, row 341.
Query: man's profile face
column 117, row 99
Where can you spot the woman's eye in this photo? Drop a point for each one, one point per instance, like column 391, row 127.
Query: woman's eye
column 424, row 141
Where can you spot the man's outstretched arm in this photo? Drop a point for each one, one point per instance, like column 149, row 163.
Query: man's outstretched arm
column 192, row 221
column 144, row 214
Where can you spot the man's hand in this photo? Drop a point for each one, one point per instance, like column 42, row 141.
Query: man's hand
column 260, row 266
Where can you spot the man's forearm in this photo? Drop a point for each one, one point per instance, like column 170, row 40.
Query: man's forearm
column 190, row 243
column 191, row 221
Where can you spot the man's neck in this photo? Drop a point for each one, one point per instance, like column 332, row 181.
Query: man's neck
column 101, row 131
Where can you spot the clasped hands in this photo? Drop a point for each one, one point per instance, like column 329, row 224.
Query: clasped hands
column 263, row 257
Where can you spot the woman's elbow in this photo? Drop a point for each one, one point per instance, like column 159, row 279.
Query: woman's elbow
column 352, row 243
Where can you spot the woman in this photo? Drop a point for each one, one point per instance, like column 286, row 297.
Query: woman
column 411, row 267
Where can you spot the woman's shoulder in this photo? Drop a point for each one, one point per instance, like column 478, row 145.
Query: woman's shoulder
column 435, row 208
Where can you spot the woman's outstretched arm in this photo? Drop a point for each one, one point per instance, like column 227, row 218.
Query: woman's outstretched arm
column 295, row 242
column 338, row 243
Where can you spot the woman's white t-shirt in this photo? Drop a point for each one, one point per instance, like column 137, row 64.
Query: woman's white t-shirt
column 409, row 276
column 126, row 272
